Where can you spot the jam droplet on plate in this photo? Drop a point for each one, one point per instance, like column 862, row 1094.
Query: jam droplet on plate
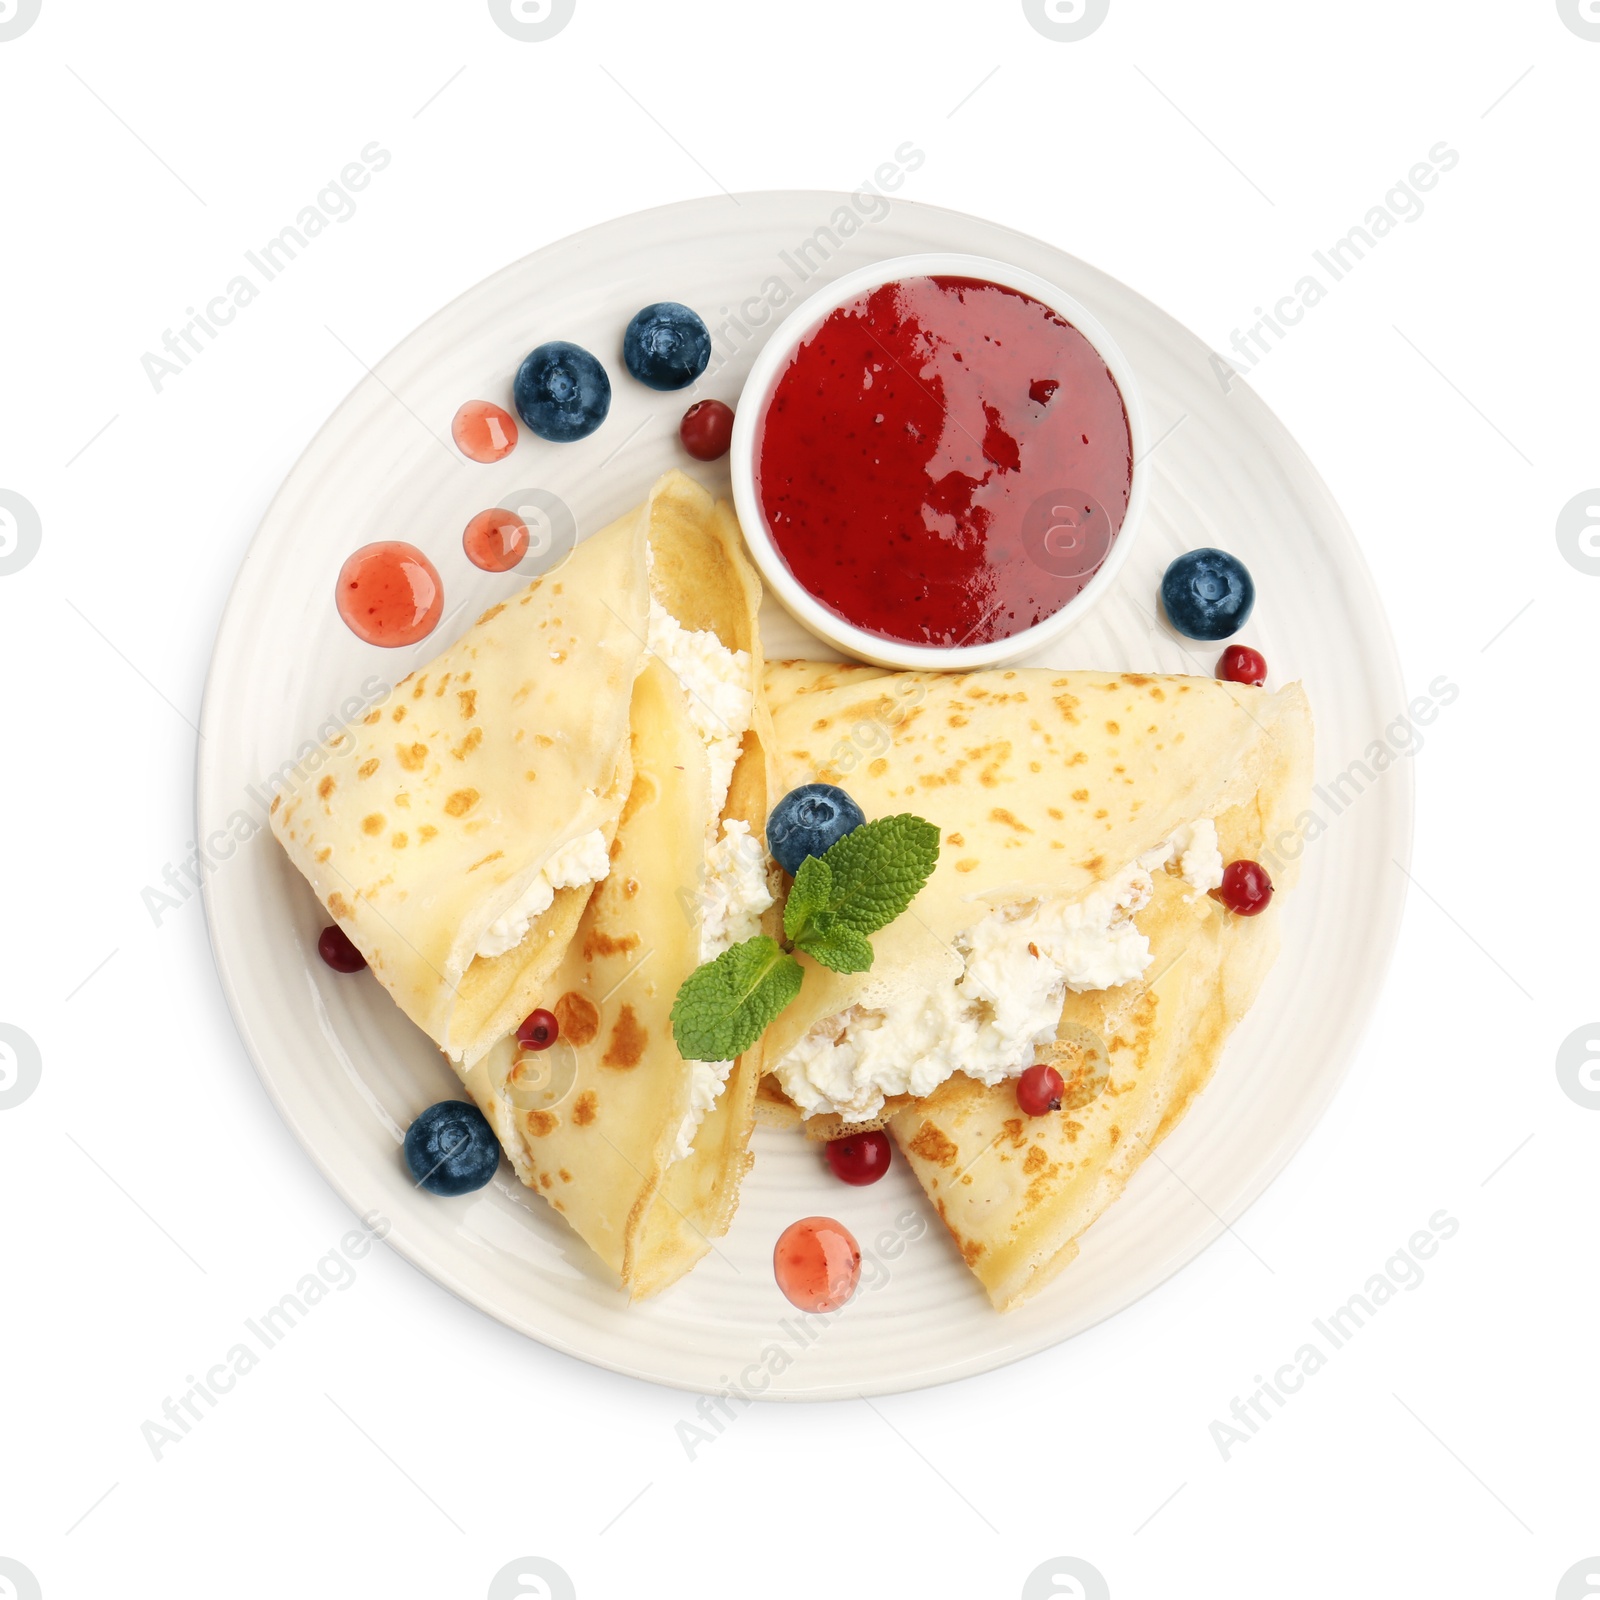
column 389, row 594
column 817, row 1263
column 483, row 431
column 495, row 540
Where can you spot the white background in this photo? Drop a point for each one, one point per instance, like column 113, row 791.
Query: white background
column 403, row 1442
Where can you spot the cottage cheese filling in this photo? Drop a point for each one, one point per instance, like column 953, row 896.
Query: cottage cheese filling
column 582, row 861
column 716, row 681
column 1018, row 964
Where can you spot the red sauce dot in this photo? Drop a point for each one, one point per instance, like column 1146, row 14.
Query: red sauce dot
column 389, row 594
column 817, row 1263
column 484, row 432
column 495, row 540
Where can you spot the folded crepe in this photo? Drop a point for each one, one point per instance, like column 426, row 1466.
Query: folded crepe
column 641, row 1151
column 1083, row 817
column 456, row 832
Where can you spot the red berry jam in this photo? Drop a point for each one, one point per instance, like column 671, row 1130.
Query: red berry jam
column 945, row 461
column 817, row 1263
column 495, row 540
column 389, row 594
column 538, row 1030
column 334, row 946
column 484, row 432
column 1245, row 889
column 707, row 430
column 1240, row 664
column 859, row 1158
column 1039, row 1090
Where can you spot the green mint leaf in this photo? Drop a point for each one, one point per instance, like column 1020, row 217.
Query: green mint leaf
column 810, row 895
column 834, row 943
column 879, row 868
column 723, row 1007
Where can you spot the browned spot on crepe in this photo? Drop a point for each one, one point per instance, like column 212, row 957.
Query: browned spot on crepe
column 338, row 905
column 542, row 1123
column 577, row 1016
column 598, row 943
column 410, row 756
column 933, row 1146
column 628, row 1039
column 584, row 1108
column 372, row 824
column 367, row 768
column 326, row 787
column 461, row 802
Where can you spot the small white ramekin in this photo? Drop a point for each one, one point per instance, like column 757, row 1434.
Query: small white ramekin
column 769, row 367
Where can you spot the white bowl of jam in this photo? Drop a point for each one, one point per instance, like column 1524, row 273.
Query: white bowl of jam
column 936, row 462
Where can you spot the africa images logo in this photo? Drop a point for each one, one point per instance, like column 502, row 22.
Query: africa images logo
column 1582, row 16
column 20, row 532
column 16, row 17
column 532, row 21
column 1066, row 21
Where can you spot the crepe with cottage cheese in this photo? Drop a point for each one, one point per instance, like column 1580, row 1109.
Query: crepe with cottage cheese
column 1017, row 1192
column 456, row 832
column 1084, row 817
column 641, row 1151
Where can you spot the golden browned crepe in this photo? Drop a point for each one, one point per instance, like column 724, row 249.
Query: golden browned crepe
column 603, row 1144
column 426, row 824
column 1045, row 784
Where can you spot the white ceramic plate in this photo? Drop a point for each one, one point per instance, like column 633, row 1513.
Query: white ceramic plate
column 348, row 1072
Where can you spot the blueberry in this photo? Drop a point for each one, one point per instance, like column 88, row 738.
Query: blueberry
column 807, row 820
column 451, row 1149
column 562, row 392
column 666, row 346
column 1208, row 594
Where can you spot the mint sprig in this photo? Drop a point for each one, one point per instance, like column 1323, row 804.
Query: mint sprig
column 860, row 884
column 864, row 880
column 723, row 1007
